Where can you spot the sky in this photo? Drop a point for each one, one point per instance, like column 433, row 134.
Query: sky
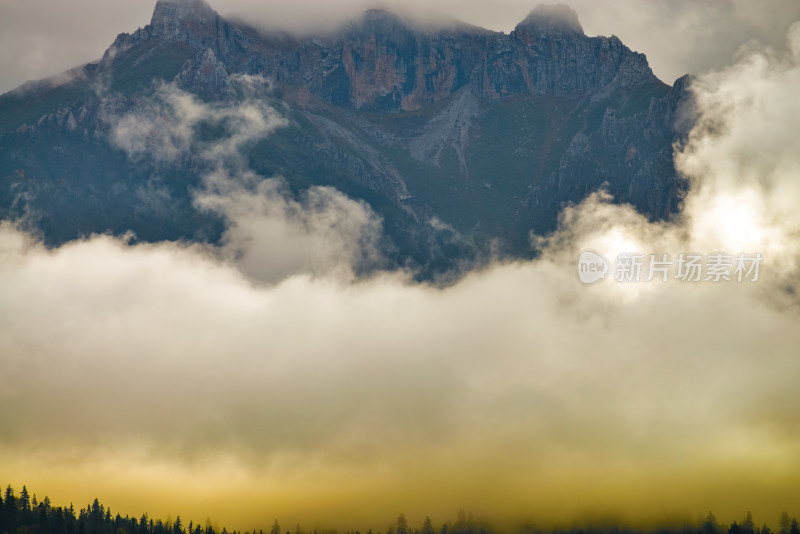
column 263, row 380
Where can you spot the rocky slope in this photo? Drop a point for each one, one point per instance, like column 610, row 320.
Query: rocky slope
column 484, row 134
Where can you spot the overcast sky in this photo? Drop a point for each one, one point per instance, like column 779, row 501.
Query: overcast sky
column 261, row 380
column 40, row 38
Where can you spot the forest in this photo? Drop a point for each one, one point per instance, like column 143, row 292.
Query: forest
column 26, row 514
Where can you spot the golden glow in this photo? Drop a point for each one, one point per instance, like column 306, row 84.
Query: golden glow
column 734, row 223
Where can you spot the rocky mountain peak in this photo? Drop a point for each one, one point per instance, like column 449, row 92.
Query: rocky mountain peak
column 378, row 21
column 489, row 132
column 172, row 18
column 379, row 16
column 548, row 19
column 385, row 62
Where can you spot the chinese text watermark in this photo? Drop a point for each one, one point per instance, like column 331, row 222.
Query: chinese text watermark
column 635, row 267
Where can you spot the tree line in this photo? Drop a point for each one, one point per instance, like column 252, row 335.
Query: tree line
column 25, row 514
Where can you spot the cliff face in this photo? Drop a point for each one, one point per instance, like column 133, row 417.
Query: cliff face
column 383, row 62
column 391, row 66
column 488, row 132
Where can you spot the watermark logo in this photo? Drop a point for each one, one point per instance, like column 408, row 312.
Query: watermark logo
column 635, row 267
column 592, row 267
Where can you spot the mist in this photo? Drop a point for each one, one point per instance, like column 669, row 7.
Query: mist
column 264, row 378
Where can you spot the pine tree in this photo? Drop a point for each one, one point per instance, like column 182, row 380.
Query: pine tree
column 747, row 525
column 276, row 528
column 97, row 511
column 10, row 510
column 402, row 525
column 710, row 525
column 24, row 503
column 784, row 523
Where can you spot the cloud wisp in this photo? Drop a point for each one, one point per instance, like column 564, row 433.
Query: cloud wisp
column 270, row 234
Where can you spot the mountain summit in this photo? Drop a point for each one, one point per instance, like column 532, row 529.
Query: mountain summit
column 172, row 17
column 462, row 139
column 547, row 19
column 384, row 63
column 172, row 10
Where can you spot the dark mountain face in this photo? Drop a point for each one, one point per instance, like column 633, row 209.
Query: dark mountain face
column 462, row 139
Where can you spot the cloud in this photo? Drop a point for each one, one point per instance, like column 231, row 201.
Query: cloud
column 684, row 37
column 270, row 234
column 166, row 128
column 678, row 36
column 745, row 179
column 162, row 354
column 43, row 38
column 40, row 38
column 171, row 373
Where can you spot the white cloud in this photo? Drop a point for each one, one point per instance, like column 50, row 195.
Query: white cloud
column 745, row 178
column 270, row 235
column 165, row 128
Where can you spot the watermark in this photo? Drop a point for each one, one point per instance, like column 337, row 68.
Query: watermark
column 592, row 267
column 627, row 267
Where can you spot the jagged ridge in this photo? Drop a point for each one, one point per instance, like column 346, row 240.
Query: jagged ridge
column 383, row 62
column 490, row 133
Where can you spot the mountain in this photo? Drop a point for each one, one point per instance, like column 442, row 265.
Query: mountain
column 462, row 139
